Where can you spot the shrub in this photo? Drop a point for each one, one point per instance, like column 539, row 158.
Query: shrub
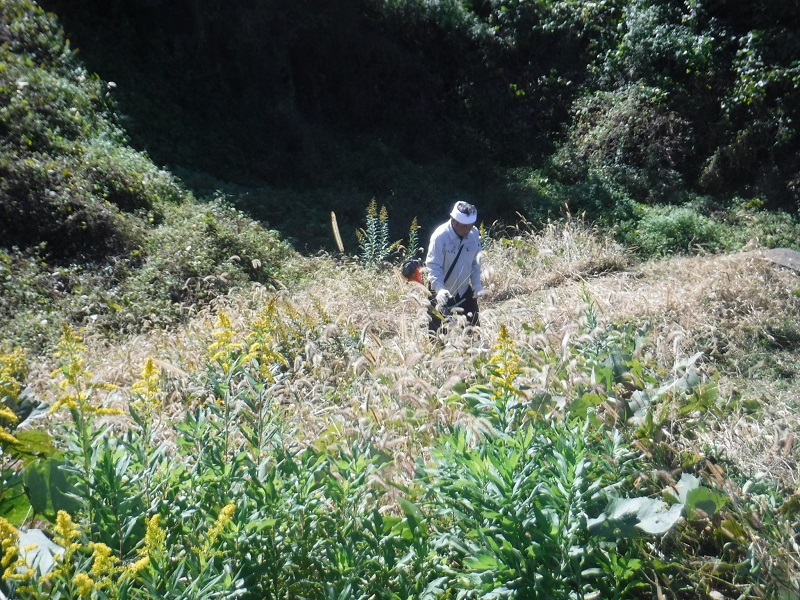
column 546, row 196
column 747, row 223
column 66, row 171
column 659, row 44
column 662, row 230
column 629, row 135
column 195, row 253
column 203, row 249
column 43, row 202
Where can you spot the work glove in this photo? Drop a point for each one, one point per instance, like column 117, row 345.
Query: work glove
column 442, row 297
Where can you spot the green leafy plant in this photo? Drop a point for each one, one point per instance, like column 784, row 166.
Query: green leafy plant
column 17, row 448
column 671, row 229
column 513, row 508
column 374, row 238
column 630, row 136
column 413, row 239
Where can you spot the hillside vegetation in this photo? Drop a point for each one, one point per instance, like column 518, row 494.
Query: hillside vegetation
column 91, row 229
column 611, row 106
column 615, row 429
column 95, row 233
column 189, row 408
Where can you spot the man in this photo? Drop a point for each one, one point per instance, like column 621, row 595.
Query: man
column 454, row 273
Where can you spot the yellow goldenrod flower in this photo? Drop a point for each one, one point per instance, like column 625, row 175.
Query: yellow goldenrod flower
column 8, row 414
column 138, row 566
column 66, row 532
column 84, row 583
column 223, row 519
column 6, row 437
column 12, row 373
column 264, row 338
column 224, row 346
column 147, row 391
column 504, row 365
column 154, row 536
column 103, row 561
column 70, row 346
column 70, row 401
column 153, row 546
column 14, row 566
column 8, row 540
column 75, row 382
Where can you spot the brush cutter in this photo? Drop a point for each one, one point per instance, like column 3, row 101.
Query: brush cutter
column 445, row 313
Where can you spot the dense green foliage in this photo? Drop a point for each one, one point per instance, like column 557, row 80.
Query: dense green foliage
column 410, row 101
column 91, row 229
column 561, row 465
column 69, row 180
column 537, row 491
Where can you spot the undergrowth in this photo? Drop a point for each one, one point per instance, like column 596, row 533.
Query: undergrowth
column 314, row 459
column 92, row 231
column 196, row 252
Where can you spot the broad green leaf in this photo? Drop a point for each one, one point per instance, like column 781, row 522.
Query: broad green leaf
column 32, row 444
column 625, row 507
column 687, row 483
column 703, row 499
column 580, row 407
column 638, row 405
column 260, row 525
column 482, row 562
column 732, row 530
column 617, row 362
column 14, row 503
column 412, row 512
column 658, row 518
column 49, row 488
column 648, row 514
column 460, row 387
column 453, row 399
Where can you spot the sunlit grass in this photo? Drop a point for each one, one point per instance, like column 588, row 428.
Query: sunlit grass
column 340, row 363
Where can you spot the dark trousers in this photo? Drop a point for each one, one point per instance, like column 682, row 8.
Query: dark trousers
column 466, row 305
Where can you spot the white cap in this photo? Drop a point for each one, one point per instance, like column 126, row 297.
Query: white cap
column 464, row 212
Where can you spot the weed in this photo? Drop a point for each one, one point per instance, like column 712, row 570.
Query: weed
column 668, row 229
column 374, row 239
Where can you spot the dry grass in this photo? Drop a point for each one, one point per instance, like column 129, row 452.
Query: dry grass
column 393, row 392
column 718, row 305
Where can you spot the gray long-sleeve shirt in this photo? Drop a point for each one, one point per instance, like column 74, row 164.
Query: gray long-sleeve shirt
column 443, row 249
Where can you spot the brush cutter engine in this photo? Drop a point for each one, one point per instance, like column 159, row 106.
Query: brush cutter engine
column 410, row 267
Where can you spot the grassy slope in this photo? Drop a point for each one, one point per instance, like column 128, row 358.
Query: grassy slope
column 739, row 310
column 362, row 368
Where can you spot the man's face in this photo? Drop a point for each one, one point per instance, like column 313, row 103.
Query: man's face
column 460, row 228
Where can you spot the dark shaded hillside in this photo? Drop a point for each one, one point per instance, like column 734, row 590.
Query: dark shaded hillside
column 406, row 103
column 91, row 231
column 525, row 106
column 260, row 89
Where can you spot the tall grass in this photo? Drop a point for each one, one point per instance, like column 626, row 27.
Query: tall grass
column 315, row 443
